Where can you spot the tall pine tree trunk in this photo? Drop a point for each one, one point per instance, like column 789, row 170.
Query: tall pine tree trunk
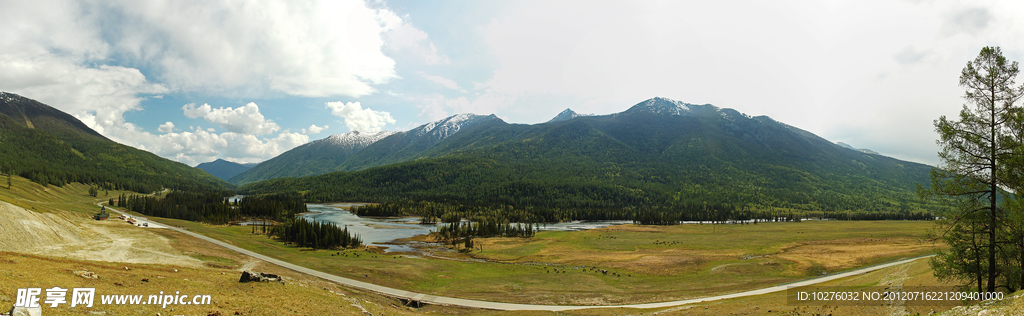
column 992, row 201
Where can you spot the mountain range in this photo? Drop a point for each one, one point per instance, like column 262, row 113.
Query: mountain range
column 48, row 146
column 357, row 150
column 224, row 169
column 659, row 151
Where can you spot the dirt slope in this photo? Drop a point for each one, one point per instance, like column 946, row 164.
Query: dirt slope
column 73, row 235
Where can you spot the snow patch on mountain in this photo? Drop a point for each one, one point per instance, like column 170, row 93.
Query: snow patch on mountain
column 661, row 105
column 356, row 139
column 443, row 128
column 8, row 96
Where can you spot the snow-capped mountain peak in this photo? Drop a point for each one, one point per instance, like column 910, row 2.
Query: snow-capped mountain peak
column 566, row 115
column 356, row 138
column 660, row 105
column 443, row 128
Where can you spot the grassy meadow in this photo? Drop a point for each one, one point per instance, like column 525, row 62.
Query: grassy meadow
column 643, row 263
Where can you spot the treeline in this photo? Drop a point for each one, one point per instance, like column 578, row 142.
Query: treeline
column 316, row 235
column 452, row 233
column 725, row 213
column 539, row 192
column 461, row 222
column 672, row 214
column 432, row 212
column 214, row 207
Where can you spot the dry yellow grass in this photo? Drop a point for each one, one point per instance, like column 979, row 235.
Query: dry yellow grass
column 298, row 295
column 843, row 253
column 674, row 250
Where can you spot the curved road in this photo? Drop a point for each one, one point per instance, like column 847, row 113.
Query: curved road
column 441, row 300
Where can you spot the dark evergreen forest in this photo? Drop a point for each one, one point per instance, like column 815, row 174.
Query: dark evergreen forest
column 279, row 209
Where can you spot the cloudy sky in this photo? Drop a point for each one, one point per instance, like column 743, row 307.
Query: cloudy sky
column 245, row 81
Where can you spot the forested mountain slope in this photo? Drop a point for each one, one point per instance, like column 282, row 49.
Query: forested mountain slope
column 51, row 147
column 313, row 158
column 357, row 150
column 658, row 153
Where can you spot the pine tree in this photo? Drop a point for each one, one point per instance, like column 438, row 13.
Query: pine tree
column 976, row 155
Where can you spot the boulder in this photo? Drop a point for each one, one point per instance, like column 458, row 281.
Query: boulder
column 253, row 276
column 26, row 311
column 86, row 274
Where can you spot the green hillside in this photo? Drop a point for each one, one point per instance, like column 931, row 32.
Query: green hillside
column 48, row 146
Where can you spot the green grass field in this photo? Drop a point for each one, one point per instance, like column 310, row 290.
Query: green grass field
column 644, row 263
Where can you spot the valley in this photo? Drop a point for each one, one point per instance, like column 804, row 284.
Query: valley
column 565, row 268
column 746, row 228
column 403, row 157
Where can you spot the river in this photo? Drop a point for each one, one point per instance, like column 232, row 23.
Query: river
column 385, row 231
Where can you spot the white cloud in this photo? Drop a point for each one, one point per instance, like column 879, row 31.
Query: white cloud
column 968, row 20
column 244, row 120
column 84, row 58
column 240, row 143
column 437, row 106
column 98, row 96
column 166, row 127
column 432, row 108
column 199, row 145
column 909, row 55
column 313, row 129
column 359, row 119
column 318, row 48
column 482, row 104
column 413, row 43
column 448, row 83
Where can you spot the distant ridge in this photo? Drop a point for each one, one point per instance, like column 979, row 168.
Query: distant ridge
column 866, row 151
column 224, row 169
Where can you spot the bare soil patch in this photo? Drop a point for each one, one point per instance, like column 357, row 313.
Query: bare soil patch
column 73, row 235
